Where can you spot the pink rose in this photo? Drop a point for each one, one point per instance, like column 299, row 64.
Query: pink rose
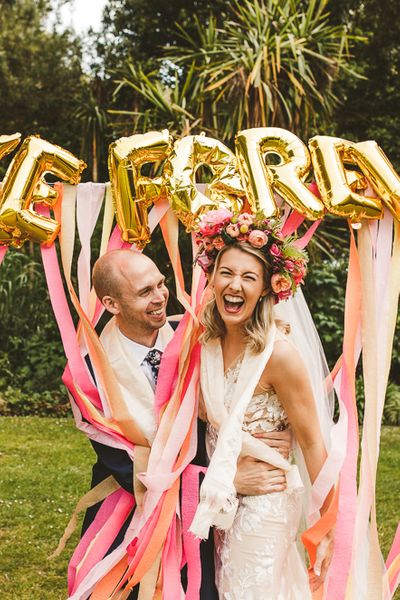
column 289, row 265
column 214, row 220
column 275, row 251
column 284, row 295
column 258, row 238
column 232, row 230
column 204, row 261
column 208, row 243
column 218, row 242
column 208, row 229
column 245, row 219
column 299, row 272
column 280, row 283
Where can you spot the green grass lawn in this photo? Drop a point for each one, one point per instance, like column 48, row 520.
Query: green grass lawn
column 45, row 468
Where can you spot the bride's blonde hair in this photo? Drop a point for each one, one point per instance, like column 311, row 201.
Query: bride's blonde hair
column 262, row 318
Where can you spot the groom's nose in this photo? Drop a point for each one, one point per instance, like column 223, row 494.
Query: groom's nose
column 158, row 296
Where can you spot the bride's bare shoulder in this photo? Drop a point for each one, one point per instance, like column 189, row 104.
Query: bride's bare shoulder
column 285, row 362
column 283, row 350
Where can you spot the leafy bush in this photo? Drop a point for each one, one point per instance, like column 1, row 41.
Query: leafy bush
column 391, row 409
column 31, row 354
column 325, row 293
column 15, row 402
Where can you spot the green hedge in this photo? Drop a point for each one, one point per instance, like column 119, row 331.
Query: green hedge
column 32, row 358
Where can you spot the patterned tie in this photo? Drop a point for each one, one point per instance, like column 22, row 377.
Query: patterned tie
column 153, row 358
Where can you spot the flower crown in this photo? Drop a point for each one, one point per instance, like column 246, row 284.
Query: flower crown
column 221, row 228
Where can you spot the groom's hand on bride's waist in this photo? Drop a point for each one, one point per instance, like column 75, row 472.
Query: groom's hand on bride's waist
column 280, row 440
column 255, row 477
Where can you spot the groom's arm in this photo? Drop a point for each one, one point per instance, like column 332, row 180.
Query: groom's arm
column 110, row 461
column 115, row 462
column 255, row 477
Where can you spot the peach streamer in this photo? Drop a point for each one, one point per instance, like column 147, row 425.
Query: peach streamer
column 340, row 566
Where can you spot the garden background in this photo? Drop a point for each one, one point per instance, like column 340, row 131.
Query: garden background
column 312, row 67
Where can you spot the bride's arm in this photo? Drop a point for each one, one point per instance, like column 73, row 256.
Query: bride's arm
column 286, row 372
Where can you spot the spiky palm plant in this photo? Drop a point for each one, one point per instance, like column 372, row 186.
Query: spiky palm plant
column 273, row 63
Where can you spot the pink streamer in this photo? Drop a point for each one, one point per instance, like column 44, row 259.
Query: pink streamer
column 3, row 250
column 169, row 365
column 344, row 535
column 303, row 241
column 340, row 566
column 294, row 220
column 76, row 365
column 191, row 544
column 393, row 554
column 101, row 541
column 76, row 369
column 171, row 562
column 103, row 515
column 395, row 549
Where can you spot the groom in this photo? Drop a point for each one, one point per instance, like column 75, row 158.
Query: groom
column 133, row 290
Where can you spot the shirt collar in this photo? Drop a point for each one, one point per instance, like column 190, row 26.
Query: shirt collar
column 138, row 350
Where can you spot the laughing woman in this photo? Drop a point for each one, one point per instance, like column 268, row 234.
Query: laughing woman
column 254, row 381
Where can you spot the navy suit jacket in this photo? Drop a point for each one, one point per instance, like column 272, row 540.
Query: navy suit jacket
column 116, row 462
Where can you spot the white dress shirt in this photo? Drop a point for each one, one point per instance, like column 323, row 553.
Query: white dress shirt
column 138, row 352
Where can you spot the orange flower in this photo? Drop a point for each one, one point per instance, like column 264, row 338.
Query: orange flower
column 280, row 283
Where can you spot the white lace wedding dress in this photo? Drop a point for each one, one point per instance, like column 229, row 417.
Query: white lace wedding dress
column 257, row 558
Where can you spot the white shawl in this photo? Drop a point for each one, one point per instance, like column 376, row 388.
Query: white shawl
column 134, row 385
column 218, row 501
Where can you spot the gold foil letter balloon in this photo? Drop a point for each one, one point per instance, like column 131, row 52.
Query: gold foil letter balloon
column 8, row 143
column 133, row 192
column 286, row 177
column 225, row 188
column 24, row 185
column 329, row 156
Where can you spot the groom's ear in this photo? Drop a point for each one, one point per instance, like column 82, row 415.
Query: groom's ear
column 111, row 305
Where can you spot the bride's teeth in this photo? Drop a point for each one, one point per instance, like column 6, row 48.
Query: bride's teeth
column 233, row 299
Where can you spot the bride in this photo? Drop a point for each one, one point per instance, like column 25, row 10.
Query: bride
column 253, row 380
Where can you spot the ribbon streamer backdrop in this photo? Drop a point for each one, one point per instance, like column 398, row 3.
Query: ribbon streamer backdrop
column 358, row 570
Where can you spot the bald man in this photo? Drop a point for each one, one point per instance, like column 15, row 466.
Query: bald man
column 133, row 290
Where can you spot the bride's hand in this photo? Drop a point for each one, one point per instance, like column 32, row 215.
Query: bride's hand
column 280, row 440
column 322, row 561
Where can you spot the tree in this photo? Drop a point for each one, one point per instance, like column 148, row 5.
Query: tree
column 137, row 30
column 40, row 74
column 270, row 63
column 91, row 114
column 369, row 108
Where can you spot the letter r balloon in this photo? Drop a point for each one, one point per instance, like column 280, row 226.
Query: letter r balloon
column 286, row 178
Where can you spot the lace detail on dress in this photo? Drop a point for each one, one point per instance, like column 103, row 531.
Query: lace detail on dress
column 264, row 413
column 257, row 557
